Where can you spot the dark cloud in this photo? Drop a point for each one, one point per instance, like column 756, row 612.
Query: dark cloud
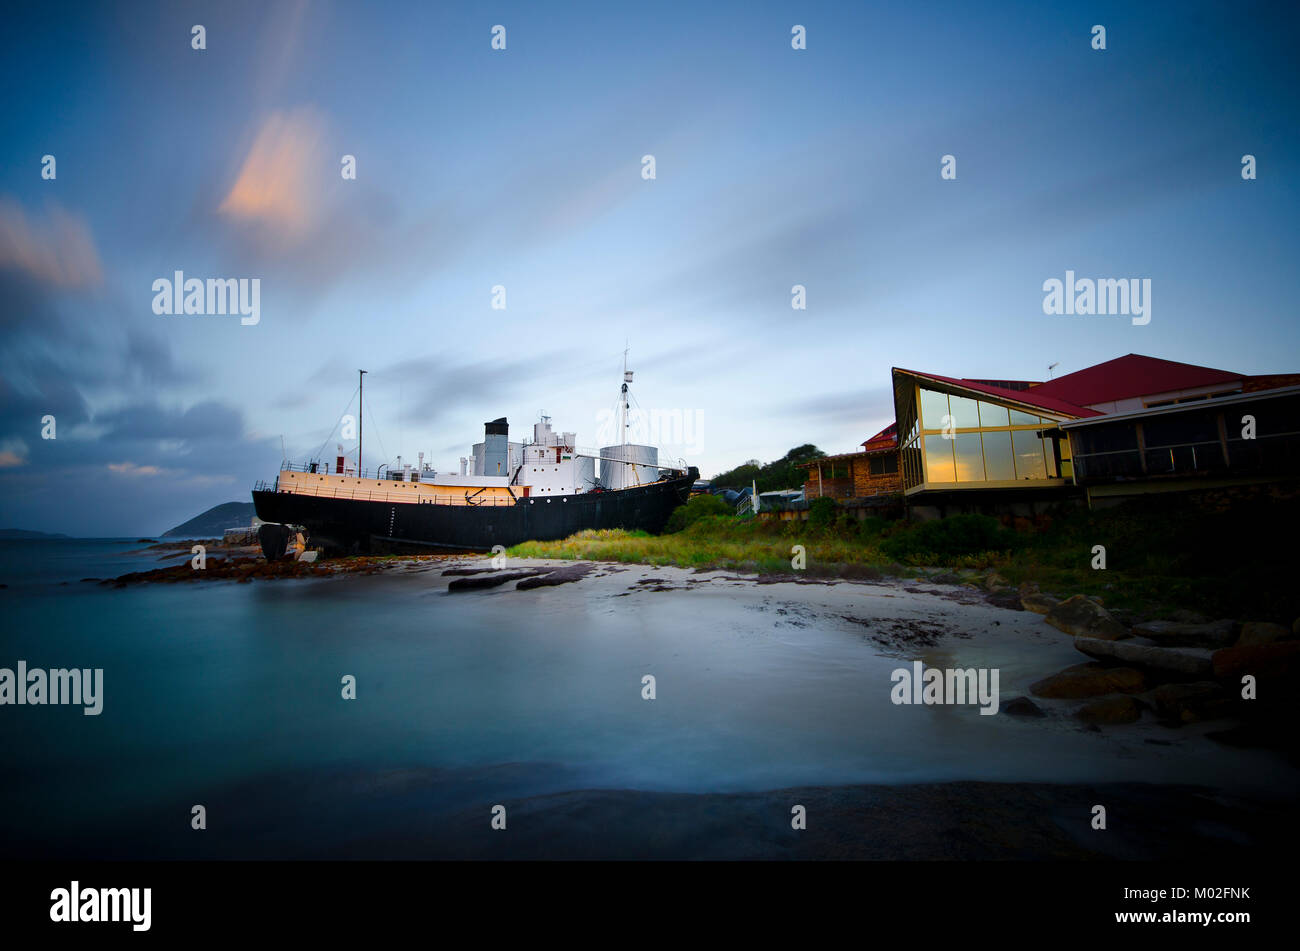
column 195, row 424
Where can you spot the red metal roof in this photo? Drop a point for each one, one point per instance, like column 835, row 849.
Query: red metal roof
column 887, row 438
column 1029, row 397
column 813, row 463
column 1129, row 376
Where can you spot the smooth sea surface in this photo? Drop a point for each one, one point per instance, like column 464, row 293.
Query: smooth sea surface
column 229, row 695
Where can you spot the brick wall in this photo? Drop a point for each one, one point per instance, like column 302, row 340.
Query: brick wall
column 865, row 484
column 860, row 483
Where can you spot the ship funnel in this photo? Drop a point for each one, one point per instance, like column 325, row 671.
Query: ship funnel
column 496, row 448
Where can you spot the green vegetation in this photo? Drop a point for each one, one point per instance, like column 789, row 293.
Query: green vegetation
column 781, row 474
column 722, row 541
column 822, row 513
column 701, row 506
column 1160, row 556
column 1228, row 562
column 942, row 540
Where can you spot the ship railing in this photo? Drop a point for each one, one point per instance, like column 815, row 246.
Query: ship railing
column 665, row 463
column 406, row 498
column 330, row 468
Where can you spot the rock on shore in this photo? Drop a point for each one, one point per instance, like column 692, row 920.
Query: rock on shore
column 1089, row 680
column 1178, row 662
column 1081, row 616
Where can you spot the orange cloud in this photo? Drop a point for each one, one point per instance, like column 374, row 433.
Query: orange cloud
column 278, row 184
column 57, row 248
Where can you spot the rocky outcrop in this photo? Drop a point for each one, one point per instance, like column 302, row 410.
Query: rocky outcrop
column 1261, row 632
column 565, row 574
column 1281, row 659
column 1183, row 634
column 1038, row 603
column 1118, row 709
column 1084, row 617
column 1170, row 661
column 1089, row 680
column 1022, row 707
column 478, row 582
column 1189, row 703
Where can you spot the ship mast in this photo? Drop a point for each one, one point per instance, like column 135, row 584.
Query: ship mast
column 361, row 381
column 627, row 378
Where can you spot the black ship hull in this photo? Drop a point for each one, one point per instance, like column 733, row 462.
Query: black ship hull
column 356, row 525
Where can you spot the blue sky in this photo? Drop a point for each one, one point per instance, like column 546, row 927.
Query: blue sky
column 522, row 168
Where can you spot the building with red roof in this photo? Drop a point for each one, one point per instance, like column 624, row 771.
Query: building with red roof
column 1131, row 425
column 871, row 473
column 1126, row 427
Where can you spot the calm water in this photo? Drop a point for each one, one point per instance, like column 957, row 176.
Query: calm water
column 229, row 695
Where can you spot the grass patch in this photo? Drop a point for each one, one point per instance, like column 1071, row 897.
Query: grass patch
column 1160, row 555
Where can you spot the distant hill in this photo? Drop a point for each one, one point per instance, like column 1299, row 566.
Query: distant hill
column 214, row 521
column 24, row 533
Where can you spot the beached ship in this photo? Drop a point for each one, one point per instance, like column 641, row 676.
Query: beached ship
column 505, row 493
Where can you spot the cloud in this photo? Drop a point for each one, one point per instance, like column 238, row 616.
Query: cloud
column 13, row 453
column 208, row 420
column 132, row 469
column 278, row 184
column 56, row 248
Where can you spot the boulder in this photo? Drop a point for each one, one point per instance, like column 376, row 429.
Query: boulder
column 1188, row 703
column 1089, row 680
column 994, row 581
column 1022, row 707
column 1281, row 660
column 1118, row 709
column 1165, row 660
column 1084, row 617
column 1183, row 634
column 1005, row 598
column 1038, row 603
column 1261, row 632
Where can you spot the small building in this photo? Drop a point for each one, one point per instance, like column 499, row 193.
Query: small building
column 869, row 473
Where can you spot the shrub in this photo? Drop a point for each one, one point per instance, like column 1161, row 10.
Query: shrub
column 949, row 538
column 872, row 526
column 822, row 512
column 695, row 509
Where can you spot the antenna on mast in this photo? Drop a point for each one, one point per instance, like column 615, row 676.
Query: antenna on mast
column 1052, row 367
column 627, row 378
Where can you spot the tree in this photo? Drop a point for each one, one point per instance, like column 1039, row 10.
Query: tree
column 781, row 474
